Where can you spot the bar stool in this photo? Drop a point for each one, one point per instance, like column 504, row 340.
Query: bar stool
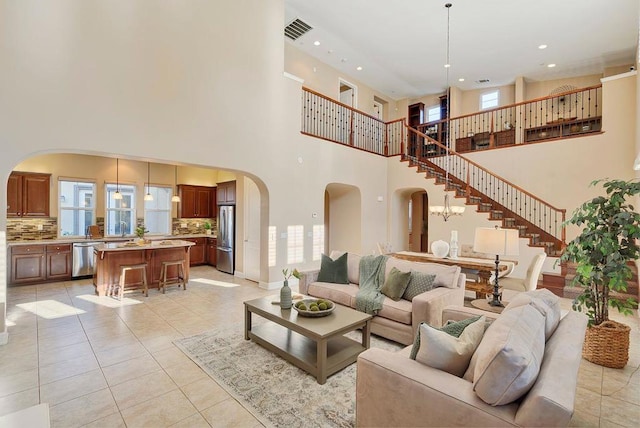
column 129, row 268
column 179, row 280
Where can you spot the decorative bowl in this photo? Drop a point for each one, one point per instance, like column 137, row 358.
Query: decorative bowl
column 440, row 249
column 314, row 314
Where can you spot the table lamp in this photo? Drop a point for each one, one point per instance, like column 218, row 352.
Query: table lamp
column 500, row 242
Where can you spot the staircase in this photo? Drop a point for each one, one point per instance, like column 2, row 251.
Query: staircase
column 503, row 202
column 515, row 208
column 561, row 283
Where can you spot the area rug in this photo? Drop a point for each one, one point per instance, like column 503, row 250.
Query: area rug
column 276, row 392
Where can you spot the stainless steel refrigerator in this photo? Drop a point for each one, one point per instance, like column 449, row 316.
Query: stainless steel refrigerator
column 226, row 238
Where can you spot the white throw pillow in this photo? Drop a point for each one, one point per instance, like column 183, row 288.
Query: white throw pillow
column 452, row 354
column 509, row 357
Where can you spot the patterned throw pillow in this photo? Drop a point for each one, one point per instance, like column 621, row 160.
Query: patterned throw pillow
column 418, row 284
column 334, row 271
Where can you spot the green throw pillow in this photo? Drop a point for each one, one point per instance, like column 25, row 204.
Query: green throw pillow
column 454, row 328
column 418, row 284
column 395, row 284
column 334, row 271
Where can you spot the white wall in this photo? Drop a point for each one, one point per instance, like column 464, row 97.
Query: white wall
column 179, row 82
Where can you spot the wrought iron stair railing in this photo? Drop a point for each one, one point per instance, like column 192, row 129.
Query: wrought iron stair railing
column 504, row 201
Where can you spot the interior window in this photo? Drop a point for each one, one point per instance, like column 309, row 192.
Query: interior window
column 433, row 114
column 489, row 100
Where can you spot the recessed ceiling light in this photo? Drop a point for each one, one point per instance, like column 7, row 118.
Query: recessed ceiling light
column 551, row 65
column 461, row 79
column 343, row 60
column 447, row 65
column 316, row 43
column 542, row 47
column 358, row 68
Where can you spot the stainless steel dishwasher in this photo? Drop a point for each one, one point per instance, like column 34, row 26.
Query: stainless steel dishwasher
column 83, row 258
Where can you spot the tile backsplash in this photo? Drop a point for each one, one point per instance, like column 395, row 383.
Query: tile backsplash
column 26, row 229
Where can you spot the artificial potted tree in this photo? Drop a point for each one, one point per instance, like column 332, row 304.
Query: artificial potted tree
column 608, row 242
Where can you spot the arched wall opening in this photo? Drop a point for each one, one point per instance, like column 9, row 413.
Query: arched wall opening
column 252, row 199
column 343, row 218
column 409, row 221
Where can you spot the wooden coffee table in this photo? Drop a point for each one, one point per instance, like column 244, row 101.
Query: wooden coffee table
column 316, row 345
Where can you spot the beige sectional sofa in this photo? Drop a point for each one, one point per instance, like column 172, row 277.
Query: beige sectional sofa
column 523, row 373
column 399, row 320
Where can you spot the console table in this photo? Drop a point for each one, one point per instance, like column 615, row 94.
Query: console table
column 484, row 267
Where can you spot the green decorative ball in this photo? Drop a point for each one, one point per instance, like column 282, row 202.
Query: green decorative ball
column 314, row 308
column 302, row 307
column 322, row 306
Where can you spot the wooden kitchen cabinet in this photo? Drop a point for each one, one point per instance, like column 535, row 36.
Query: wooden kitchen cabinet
column 28, row 194
column 28, row 264
column 59, row 262
column 198, row 251
column 226, row 193
column 31, row 264
column 212, row 244
column 197, row 201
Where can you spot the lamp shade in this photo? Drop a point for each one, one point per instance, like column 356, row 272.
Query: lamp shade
column 496, row 241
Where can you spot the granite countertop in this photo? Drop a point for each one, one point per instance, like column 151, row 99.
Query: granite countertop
column 106, row 240
column 131, row 245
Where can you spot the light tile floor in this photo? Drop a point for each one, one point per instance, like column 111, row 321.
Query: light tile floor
column 102, row 363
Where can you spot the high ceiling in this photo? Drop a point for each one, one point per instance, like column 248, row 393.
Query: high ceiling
column 401, row 45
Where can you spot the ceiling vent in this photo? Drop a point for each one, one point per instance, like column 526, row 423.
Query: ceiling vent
column 482, row 81
column 296, row 29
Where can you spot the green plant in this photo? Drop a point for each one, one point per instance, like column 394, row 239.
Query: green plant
column 608, row 241
column 288, row 274
column 207, row 225
column 140, row 231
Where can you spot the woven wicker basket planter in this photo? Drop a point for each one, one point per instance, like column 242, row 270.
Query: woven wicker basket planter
column 607, row 344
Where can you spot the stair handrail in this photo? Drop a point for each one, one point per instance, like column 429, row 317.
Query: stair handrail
column 467, row 180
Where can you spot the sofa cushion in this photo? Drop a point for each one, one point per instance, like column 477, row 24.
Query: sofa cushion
column 395, row 284
column 443, row 351
column 399, row 311
column 547, row 303
column 353, row 265
column 509, row 357
column 446, row 276
column 418, row 283
column 337, row 293
column 334, row 271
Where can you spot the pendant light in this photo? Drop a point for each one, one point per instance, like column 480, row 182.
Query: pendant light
column 117, row 195
column 447, row 210
column 175, row 197
column 148, row 196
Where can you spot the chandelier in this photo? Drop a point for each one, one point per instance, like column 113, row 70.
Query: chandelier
column 447, row 210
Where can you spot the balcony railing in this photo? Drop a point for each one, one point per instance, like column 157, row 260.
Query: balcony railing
column 563, row 115
column 331, row 120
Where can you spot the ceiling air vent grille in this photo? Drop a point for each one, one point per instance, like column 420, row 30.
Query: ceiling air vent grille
column 296, row 29
column 482, row 81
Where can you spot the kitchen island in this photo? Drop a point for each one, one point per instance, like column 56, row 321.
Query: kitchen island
column 110, row 256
